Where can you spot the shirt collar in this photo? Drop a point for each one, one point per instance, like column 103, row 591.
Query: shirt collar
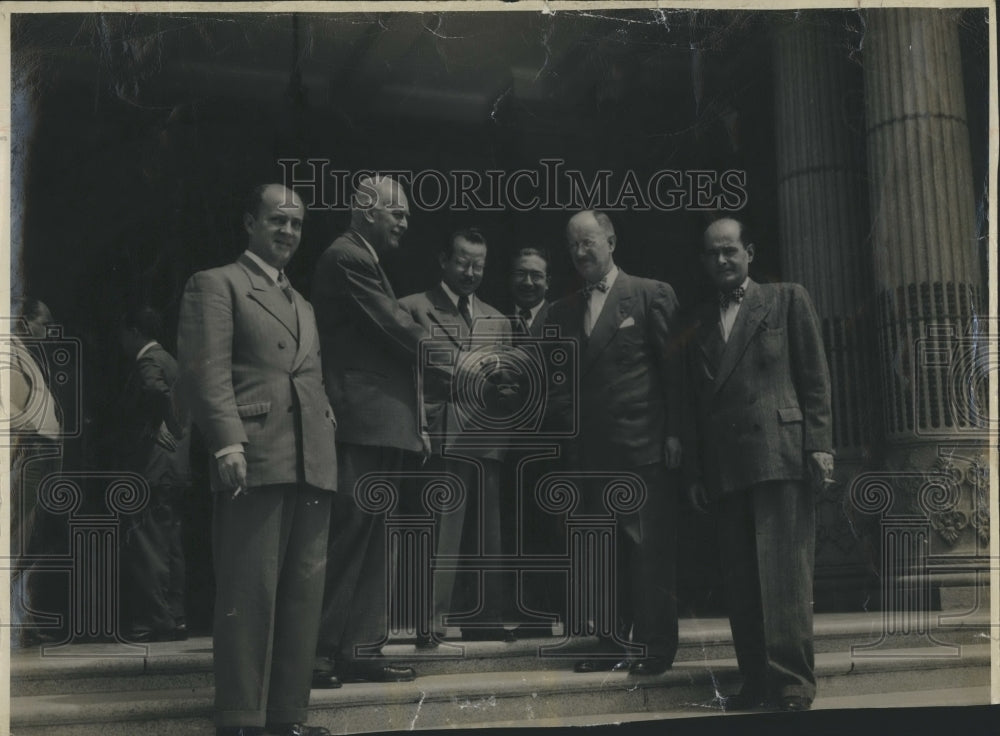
column 368, row 245
column 146, row 348
column 454, row 297
column 610, row 276
column 267, row 268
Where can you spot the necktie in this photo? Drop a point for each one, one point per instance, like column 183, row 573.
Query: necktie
column 731, row 297
column 285, row 287
column 601, row 286
column 525, row 314
column 463, row 309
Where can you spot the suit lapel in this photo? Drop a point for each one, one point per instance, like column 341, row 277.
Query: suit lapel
column 269, row 296
column 709, row 338
column 356, row 238
column 616, row 308
column 307, row 330
column 753, row 309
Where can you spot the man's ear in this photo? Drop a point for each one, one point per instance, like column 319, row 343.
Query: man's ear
column 749, row 250
column 248, row 222
column 612, row 241
column 442, row 259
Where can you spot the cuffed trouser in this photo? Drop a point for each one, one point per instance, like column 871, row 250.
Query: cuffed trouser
column 767, row 547
column 269, row 546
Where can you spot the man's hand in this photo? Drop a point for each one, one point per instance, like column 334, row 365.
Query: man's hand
column 166, row 439
column 233, row 472
column 698, row 497
column 425, row 440
column 821, row 468
column 672, row 452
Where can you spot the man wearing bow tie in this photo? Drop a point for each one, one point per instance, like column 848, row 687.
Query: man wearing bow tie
column 628, row 397
column 762, row 425
column 248, row 354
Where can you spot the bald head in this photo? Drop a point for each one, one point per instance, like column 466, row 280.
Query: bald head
column 379, row 211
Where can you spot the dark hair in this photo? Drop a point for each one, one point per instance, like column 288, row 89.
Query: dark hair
column 145, row 320
column 531, row 250
column 473, row 235
column 745, row 233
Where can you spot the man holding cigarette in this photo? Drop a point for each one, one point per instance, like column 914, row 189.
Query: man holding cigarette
column 762, row 428
column 251, row 378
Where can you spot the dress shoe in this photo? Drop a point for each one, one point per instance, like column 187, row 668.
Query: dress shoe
column 793, row 703
column 532, row 631
column 325, row 680
column 239, row 731
column 743, row 700
column 296, row 729
column 375, row 672
column 650, row 666
column 148, row 636
column 428, row 642
column 601, row 665
column 496, row 633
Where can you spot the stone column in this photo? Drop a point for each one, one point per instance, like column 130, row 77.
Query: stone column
column 926, row 268
column 819, row 141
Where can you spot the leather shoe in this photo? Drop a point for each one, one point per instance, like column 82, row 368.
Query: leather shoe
column 239, row 731
column 374, row 672
column 325, row 681
column 650, row 666
column 794, row 703
column 428, row 642
column 296, row 729
column 600, row 665
column 747, row 700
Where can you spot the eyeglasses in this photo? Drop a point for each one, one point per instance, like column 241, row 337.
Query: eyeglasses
column 536, row 276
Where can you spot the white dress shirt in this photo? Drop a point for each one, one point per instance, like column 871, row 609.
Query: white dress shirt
column 596, row 301
column 727, row 316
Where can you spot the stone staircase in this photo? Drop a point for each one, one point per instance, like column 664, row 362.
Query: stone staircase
column 101, row 690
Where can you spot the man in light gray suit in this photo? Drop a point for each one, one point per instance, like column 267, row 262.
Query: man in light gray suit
column 758, row 378
column 250, row 376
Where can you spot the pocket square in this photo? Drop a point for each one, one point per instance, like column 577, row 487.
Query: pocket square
column 627, row 322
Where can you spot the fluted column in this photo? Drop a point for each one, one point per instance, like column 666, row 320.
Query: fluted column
column 819, row 140
column 923, row 219
column 926, row 268
column 821, row 198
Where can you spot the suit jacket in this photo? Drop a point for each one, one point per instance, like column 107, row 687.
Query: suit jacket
column 434, row 308
column 535, row 330
column 146, row 403
column 370, row 347
column 629, row 388
column 251, row 375
column 761, row 399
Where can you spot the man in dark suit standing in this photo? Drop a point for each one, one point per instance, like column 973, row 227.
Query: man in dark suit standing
column 629, row 422
column 249, row 359
column 370, row 351
column 154, row 442
column 759, row 379
column 529, row 283
column 473, row 328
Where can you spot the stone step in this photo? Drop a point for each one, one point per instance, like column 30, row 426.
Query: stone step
column 461, row 700
column 175, row 665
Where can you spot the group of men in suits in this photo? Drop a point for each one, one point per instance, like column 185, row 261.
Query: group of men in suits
column 738, row 413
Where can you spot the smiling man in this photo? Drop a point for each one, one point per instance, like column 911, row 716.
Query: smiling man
column 248, row 355
column 475, row 326
column 629, row 423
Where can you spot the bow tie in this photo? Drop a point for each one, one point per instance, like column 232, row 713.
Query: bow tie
column 601, row 286
column 731, row 297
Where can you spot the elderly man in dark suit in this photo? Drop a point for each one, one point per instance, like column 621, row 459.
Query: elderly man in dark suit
column 248, row 352
column 153, row 441
column 370, row 347
column 629, row 422
column 759, row 380
column 473, row 328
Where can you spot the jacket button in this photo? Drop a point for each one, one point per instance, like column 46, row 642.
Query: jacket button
column 281, row 346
